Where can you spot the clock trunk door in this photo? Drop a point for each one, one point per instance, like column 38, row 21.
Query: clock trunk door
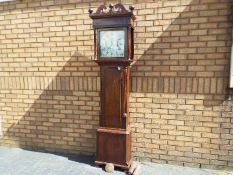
column 111, row 93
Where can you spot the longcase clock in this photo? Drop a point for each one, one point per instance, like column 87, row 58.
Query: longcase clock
column 114, row 47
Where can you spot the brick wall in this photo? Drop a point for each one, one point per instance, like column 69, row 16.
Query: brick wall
column 180, row 104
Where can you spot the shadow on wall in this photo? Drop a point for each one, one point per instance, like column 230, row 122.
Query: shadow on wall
column 65, row 115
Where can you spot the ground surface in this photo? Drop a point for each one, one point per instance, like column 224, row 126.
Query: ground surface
column 16, row 161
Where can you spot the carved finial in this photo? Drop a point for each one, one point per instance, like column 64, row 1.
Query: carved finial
column 90, row 11
column 131, row 8
column 111, row 10
column 110, row 7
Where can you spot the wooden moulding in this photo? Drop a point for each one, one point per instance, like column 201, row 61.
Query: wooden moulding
column 116, row 10
column 113, row 130
column 114, row 62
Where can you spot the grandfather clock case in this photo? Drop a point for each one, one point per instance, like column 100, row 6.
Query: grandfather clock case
column 114, row 47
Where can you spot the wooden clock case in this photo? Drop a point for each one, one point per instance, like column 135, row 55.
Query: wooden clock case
column 113, row 135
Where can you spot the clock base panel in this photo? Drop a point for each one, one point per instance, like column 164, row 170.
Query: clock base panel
column 114, row 146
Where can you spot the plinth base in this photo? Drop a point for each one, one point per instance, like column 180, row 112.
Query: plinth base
column 113, row 146
column 124, row 167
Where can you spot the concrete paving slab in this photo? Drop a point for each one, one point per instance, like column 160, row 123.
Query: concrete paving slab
column 17, row 161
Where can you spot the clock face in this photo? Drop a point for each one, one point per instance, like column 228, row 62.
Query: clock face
column 112, row 43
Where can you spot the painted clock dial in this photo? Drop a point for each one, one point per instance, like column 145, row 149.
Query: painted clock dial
column 112, row 43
